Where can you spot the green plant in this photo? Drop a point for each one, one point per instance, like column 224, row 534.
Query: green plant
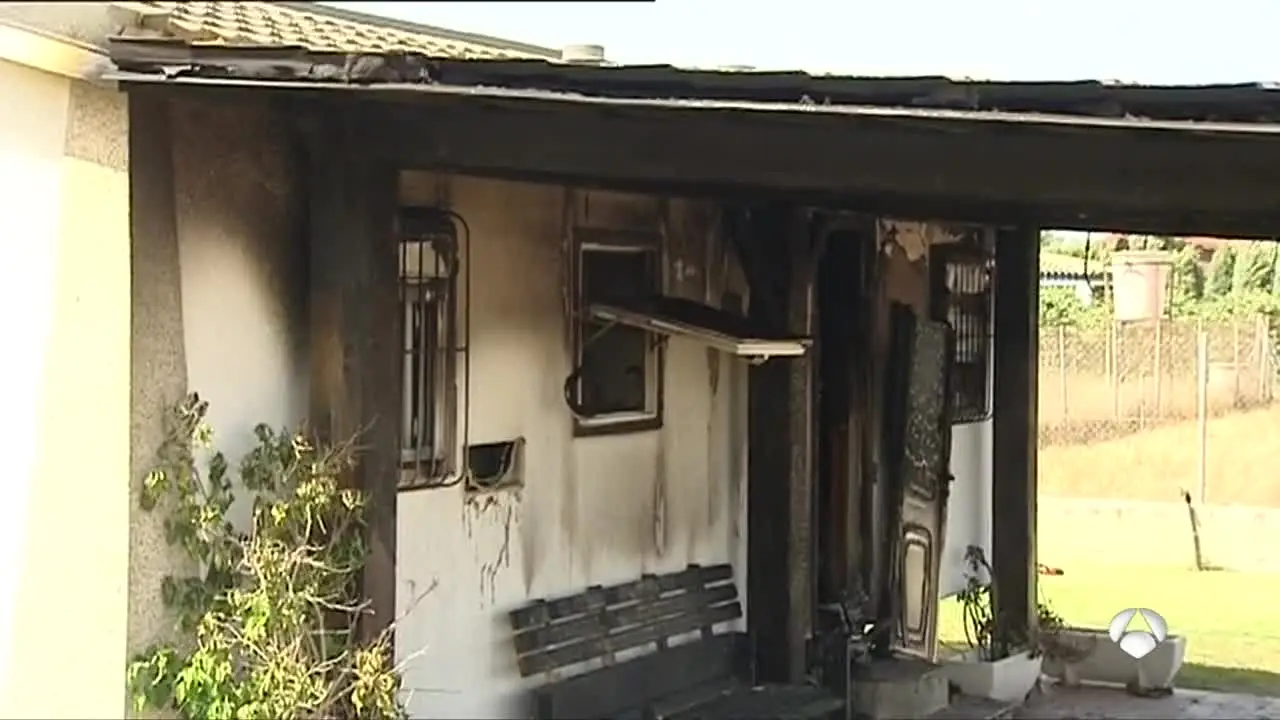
column 268, row 627
column 1062, row 307
column 1222, row 271
column 1188, row 279
column 994, row 640
column 1253, row 268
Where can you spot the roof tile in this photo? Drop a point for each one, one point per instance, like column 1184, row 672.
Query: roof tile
column 319, row 28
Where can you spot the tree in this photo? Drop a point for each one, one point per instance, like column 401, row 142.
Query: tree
column 1275, row 269
column 1222, row 271
column 1188, row 278
column 1253, row 269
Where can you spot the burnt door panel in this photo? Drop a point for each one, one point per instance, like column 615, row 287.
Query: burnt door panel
column 925, row 483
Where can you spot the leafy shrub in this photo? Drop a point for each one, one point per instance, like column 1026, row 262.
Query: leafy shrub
column 268, row 629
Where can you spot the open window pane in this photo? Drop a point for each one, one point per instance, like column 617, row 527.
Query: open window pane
column 616, row 383
column 616, row 363
column 720, row 329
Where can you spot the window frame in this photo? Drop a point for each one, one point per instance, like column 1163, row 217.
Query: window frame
column 650, row 243
column 425, row 464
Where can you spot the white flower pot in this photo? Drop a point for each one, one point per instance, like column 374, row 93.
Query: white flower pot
column 1007, row 679
column 1105, row 662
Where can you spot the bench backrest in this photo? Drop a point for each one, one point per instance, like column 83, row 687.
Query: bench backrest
column 604, row 621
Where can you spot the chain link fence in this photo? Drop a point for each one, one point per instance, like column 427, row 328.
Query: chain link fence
column 1105, row 382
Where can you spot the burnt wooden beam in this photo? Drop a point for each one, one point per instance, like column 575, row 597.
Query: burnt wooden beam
column 355, row 383
column 780, row 458
column 1147, row 182
column 1071, row 176
column 768, row 460
column 804, row 254
column 1015, row 400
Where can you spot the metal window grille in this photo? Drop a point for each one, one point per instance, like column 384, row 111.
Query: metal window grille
column 963, row 285
column 428, row 273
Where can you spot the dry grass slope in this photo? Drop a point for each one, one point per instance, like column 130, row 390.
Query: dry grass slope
column 1244, row 452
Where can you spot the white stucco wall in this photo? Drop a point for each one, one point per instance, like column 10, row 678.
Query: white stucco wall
column 242, row 255
column 969, row 507
column 592, row 510
column 219, row 309
column 64, row 424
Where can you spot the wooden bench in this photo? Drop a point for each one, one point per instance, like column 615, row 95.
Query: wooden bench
column 649, row 649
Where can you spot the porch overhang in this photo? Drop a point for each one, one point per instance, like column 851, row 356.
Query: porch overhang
column 1149, row 176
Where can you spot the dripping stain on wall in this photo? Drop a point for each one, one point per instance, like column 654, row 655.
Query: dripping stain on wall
column 496, row 509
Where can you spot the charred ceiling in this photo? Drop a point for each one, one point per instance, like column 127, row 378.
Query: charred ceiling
column 1072, row 155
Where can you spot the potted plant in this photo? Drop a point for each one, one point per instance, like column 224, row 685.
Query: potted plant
column 1064, row 647
column 1073, row 655
column 1001, row 663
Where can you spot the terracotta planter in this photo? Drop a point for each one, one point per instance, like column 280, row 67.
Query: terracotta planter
column 1007, row 680
column 1095, row 659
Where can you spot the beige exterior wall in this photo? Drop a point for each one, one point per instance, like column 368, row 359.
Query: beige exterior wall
column 64, row 528
column 592, row 509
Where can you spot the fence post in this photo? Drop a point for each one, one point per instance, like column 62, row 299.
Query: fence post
column 1159, row 371
column 1202, row 410
column 1235, row 360
column 1117, row 362
column 1142, row 399
column 1265, row 372
column 1109, row 355
column 1062, row 369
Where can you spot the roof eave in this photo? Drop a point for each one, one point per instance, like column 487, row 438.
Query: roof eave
column 51, row 53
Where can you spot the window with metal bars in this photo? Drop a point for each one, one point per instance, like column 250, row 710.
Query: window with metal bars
column 962, row 295
column 428, row 275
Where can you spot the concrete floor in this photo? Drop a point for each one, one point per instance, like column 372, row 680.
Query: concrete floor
column 1057, row 703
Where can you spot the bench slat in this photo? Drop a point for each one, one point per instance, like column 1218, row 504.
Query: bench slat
column 629, row 688
column 601, row 647
column 680, row 678
column 637, row 613
column 541, row 613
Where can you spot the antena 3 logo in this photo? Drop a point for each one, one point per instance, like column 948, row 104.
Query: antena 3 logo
column 1138, row 643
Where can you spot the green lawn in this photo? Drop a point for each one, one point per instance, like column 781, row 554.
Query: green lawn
column 1232, row 629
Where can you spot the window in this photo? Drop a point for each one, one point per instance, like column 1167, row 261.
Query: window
column 428, row 273
column 617, row 382
column 963, row 296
